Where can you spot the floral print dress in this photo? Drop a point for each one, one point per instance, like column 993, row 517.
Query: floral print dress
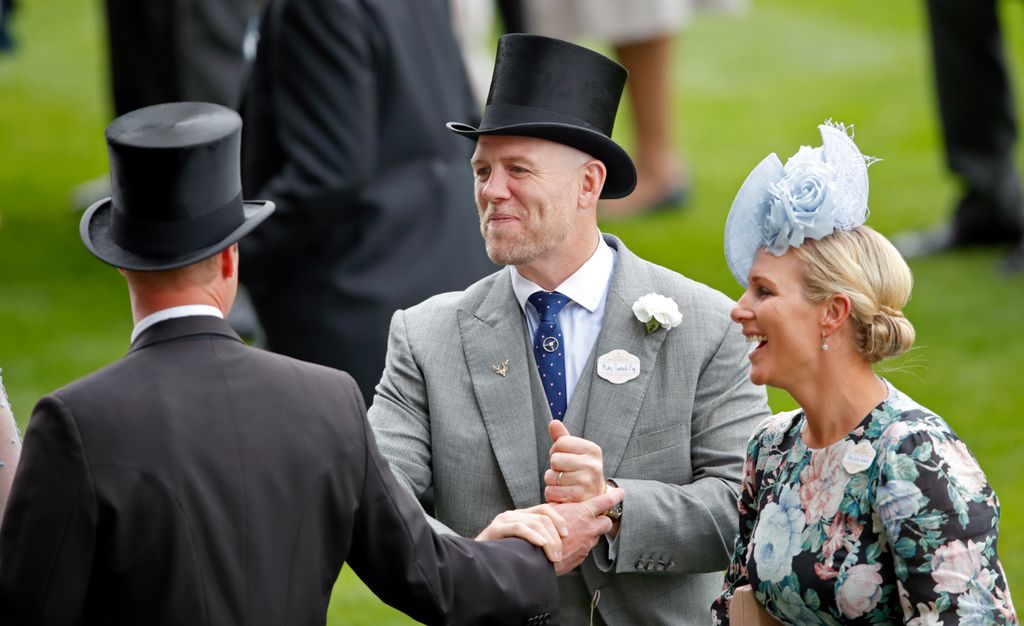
column 901, row 528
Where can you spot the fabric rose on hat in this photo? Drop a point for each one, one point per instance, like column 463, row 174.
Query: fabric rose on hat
column 801, row 205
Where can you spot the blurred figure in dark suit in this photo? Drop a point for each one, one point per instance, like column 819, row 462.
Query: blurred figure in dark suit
column 176, row 50
column 979, row 125
column 345, row 132
column 6, row 8
column 171, row 51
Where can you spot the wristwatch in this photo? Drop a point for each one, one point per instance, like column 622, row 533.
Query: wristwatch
column 614, row 513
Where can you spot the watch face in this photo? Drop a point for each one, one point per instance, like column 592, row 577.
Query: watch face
column 615, row 513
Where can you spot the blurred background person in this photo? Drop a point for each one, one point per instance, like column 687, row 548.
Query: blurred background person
column 979, row 126
column 6, row 41
column 178, row 50
column 174, row 51
column 861, row 504
column 10, row 446
column 345, row 132
column 643, row 34
column 473, row 23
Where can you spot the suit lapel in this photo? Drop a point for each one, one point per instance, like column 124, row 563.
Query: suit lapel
column 493, row 337
column 612, row 410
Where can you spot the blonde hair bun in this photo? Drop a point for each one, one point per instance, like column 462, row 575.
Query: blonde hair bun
column 865, row 266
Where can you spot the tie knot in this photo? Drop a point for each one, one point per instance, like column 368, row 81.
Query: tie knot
column 548, row 304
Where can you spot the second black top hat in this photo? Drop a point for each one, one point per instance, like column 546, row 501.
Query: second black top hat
column 176, row 191
column 552, row 89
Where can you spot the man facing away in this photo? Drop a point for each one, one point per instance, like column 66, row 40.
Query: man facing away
column 483, row 387
column 201, row 481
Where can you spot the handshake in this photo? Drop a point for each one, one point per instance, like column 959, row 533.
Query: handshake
column 569, row 525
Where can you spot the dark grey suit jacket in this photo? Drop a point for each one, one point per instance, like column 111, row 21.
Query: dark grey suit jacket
column 201, row 481
column 345, row 132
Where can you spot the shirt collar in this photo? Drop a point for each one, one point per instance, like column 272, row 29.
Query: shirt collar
column 586, row 287
column 186, row 310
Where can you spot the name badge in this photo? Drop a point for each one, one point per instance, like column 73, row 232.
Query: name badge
column 618, row 366
column 859, row 457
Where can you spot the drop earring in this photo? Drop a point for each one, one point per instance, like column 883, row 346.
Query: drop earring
column 824, row 342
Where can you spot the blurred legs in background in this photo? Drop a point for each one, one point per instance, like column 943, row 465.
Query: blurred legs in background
column 642, row 33
column 661, row 181
column 6, row 10
column 979, row 127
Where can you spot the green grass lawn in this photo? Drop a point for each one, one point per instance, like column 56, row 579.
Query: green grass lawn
column 744, row 87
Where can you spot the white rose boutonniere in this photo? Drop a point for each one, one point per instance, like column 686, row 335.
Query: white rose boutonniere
column 656, row 311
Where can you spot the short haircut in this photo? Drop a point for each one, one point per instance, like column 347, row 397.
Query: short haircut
column 198, row 273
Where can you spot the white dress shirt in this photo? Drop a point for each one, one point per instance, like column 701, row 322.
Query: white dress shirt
column 581, row 319
column 186, row 310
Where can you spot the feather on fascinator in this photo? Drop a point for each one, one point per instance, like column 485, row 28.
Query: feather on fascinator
column 817, row 191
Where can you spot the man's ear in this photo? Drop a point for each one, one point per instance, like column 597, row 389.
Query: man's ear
column 837, row 309
column 592, row 182
column 229, row 261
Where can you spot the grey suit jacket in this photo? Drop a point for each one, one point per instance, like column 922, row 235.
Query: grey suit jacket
column 673, row 438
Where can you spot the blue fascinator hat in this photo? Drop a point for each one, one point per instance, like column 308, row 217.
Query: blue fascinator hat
column 817, row 191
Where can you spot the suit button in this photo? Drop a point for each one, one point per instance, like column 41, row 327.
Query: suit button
column 649, row 564
column 639, row 564
column 659, row 566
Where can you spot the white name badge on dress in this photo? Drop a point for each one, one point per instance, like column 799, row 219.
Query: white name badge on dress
column 859, row 457
column 618, row 366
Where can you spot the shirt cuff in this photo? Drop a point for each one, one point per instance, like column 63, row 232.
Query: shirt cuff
column 605, row 559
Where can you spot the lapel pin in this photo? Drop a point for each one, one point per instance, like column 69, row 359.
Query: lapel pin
column 501, row 370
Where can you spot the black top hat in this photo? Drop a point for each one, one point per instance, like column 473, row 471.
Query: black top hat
column 176, row 188
column 552, row 89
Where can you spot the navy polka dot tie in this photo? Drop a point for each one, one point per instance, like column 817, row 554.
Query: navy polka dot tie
column 548, row 349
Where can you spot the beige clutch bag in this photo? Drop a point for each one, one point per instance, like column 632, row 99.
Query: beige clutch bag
column 745, row 610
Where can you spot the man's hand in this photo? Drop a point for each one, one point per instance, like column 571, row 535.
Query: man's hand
column 586, row 522
column 540, row 525
column 576, row 467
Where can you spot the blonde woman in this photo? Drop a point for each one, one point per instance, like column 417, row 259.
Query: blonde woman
column 862, row 506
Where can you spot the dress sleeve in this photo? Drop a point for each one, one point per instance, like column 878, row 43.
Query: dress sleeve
column 736, row 574
column 940, row 521
column 10, row 447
